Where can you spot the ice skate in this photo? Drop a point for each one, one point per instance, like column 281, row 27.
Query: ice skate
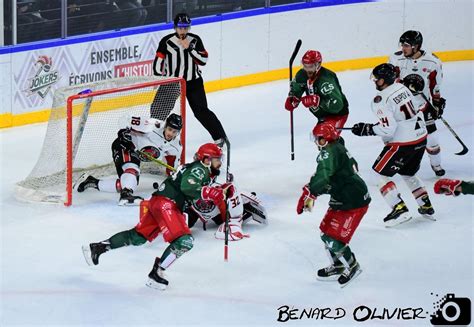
column 330, row 273
column 350, row 273
column 438, row 170
column 157, row 277
column 93, row 251
column 426, row 210
column 399, row 215
column 128, row 199
column 87, row 182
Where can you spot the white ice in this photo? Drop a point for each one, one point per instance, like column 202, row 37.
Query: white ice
column 45, row 280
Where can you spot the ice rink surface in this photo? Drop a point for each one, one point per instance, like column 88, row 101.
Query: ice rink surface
column 45, row 280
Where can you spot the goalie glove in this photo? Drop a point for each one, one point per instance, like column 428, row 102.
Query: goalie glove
column 291, row 103
column 447, row 186
column 310, row 100
column 235, row 230
column 306, row 201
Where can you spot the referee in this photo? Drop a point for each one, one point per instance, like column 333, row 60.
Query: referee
column 179, row 55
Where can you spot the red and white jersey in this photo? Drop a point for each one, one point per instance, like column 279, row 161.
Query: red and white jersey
column 148, row 136
column 427, row 66
column 399, row 121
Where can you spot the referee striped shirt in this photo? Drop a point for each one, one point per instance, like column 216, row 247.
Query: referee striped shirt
column 173, row 60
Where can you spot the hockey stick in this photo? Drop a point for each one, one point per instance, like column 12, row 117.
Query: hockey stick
column 158, row 161
column 292, row 134
column 464, row 147
column 227, row 216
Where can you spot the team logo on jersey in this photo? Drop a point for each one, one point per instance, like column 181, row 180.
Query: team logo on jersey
column 44, row 77
column 147, row 152
column 327, row 88
column 198, row 172
column 204, row 206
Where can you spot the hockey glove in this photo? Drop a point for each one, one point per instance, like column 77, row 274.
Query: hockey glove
column 235, row 230
column 447, row 186
column 363, row 129
column 306, row 201
column 126, row 139
column 214, row 194
column 310, row 100
column 229, row 190
column 291, row 103
column 439, row 103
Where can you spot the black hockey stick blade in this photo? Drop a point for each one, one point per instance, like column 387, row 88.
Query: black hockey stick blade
column 293, row 56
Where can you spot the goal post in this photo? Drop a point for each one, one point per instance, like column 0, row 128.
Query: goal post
column 83, row 124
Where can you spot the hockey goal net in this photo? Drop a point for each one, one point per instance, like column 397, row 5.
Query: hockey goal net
column 83, row 124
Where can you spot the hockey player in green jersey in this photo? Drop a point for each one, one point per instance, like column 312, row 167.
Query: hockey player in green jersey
column 453, row 187
column 336, row 175
column 324, row 97
column 163, row 213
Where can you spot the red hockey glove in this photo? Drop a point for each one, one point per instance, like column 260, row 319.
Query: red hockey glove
column 229, row 190
column 447, row 186
column 306, row 201
column 310, row 100
column 214, row 194
column 291, row 103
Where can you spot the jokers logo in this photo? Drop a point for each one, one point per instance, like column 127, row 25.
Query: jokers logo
column 44, row 77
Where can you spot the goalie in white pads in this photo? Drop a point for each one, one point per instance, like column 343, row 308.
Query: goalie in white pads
column 142, row 138
column 403, row 131
column 241, row 206
column 411, row 59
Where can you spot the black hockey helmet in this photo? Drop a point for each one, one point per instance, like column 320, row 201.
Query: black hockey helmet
column 182, row 20
column 174, row 121
column 385, row 71
column 413, row 38
column 415, row 83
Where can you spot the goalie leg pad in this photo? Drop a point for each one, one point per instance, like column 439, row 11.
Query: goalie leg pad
column 235, row 230
column 253, row 208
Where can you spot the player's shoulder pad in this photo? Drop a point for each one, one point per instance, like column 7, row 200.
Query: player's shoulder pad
column 197, row 171
column 377, row 99
column 324, row 154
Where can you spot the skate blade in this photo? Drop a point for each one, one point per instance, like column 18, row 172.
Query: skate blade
column 395, row 222
column 130, row 204
column 86, row 251
column 332, row 278
column 157, row 286
column 358, row 272
column 429, row 217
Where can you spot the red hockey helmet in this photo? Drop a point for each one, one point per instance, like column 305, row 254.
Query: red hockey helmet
column 312, row 60
column 208, row 150
column 326, row 131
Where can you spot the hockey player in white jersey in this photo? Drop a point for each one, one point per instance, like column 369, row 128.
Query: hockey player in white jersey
column 154, row 137
column 403, row 131
column 413, row 60
column 241, row 206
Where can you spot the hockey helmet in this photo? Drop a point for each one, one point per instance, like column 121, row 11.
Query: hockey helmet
column 413, row 38
column 208, row 150
column 415, row 83
column 386, row 71
column 182, row 20
column 327, row 131
column 174, row 121
column 312, row 60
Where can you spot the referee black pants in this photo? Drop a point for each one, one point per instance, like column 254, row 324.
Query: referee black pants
column 196, row 96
